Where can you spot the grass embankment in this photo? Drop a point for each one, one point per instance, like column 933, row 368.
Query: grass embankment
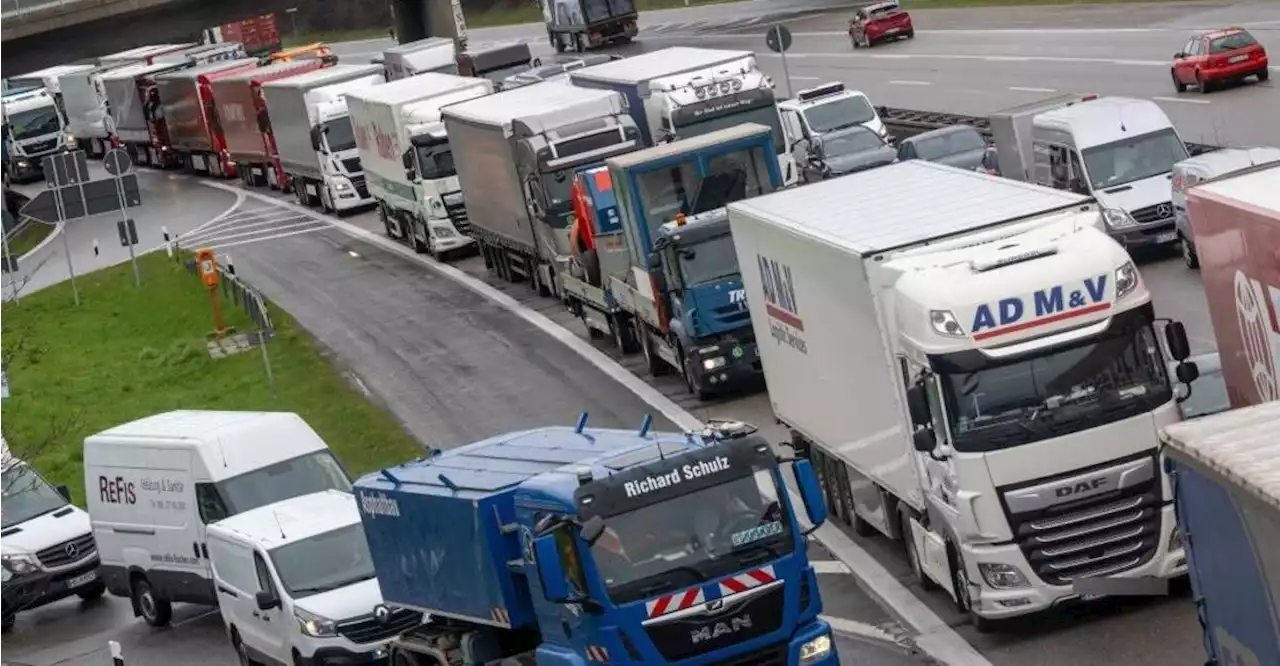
column 525, row 13
column 28, row 238
column 129, row 353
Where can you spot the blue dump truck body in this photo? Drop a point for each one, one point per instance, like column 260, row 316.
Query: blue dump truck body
column 539, row 547
column 1225, row 473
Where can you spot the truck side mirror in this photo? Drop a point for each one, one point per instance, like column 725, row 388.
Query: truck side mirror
column 266, row 600
column 918, row 405
column 65, row 492
column 407, row 160
column 547, row 557
column 655, row 261
column 1175, row 336
column 924, row 440
column 1186, row 371
column 810, row 491
column 315, row 139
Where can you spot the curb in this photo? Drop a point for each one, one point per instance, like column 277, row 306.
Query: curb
column 57, row 230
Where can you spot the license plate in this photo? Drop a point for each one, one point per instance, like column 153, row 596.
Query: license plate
column 83, row 579
column 1168, row 237
column 1239, row 58
column 1091, row 597
column 890, row 31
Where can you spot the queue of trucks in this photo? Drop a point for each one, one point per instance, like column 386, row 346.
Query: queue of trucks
column 651, row 196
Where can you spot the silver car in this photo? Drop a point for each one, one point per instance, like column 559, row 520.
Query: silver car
column 1191, row 171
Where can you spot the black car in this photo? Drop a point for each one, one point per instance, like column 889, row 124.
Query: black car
column 846, row 151
column 960, row 146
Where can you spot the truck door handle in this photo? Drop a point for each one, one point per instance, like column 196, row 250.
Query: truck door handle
column 227, row 591
column 195, row 548
column 256, row 614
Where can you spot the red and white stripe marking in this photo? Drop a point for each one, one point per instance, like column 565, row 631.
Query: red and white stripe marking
column 745, row 581
column 675, row 602
column 597, row 653
column 499, row 615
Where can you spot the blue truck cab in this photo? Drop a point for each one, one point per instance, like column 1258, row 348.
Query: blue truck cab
column 571, row 546
column 684, row 288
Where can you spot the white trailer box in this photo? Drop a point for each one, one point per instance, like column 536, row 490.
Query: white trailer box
column 402, row 117
column 433, row 54
column 47, row 78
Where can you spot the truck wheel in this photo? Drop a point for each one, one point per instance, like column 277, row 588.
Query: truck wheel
column 580, row 42
column 624, row 336
column 964, row 604
column 692, row 379
column 242, row 654
column 420, row 247
column 556, row 42
column 656, row 366
column 9, row 619
column 1189, row 256
column 155, row 611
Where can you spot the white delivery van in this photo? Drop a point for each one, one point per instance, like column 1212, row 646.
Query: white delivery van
column 154, row 484
column 47, row 546
column 296, row 584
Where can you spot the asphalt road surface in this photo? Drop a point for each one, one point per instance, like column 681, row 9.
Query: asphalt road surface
column 419, row 345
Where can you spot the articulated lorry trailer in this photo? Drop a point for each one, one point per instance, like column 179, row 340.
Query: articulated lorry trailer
column 516, row 153
column 971, row 364
column 314, row 137
column 1225, row 470
column 681, row 92
column 191, row 117
column 583, row 545
column 408, row 162
column 246, row 125
column 679, row 290
column 134, row 117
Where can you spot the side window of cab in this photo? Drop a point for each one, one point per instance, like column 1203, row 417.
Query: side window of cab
column 570, row 561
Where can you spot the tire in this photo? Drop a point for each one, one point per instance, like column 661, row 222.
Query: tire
column 242, row 654
column 580, row 42
column 556, row 42
column 9, row 620
column 92, row 592
column 1201, row 84
column 854, row 40
column 911, row 34
column 696, row 388
column 1189, row 257
column 963, row 603
column 1178, row 86
column 154, row 611
column 656, row 366
column 420, row 247
column 1263, row 75
column 913, row 555
column 624, row 335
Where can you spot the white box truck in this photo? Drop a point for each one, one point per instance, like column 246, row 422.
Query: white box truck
column 433, row 54
column 84, row 100
column 971, row 363
column 314, row 138
column 407, row 162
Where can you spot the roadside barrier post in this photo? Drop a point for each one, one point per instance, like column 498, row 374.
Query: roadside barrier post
column 117, row 658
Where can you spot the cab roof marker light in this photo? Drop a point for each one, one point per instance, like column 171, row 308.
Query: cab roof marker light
column 820, row 91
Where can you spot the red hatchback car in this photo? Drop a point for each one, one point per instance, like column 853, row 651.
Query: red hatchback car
column 880, row 22
column 1212, row 58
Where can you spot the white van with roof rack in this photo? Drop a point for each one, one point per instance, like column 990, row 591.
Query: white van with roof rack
column 47, row 544
column 296, row 584
column 153, row 485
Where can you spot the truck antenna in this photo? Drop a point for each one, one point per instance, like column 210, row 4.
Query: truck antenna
column 645, row 425
column 279, row 526
column 222, row 452
column 582, row 423
column 448, row 482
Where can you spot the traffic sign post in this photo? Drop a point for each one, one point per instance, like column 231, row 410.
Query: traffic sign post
column 778, row 39
column 117, row 163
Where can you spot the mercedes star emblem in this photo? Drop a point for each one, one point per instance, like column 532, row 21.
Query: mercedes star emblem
column 381, row 613
column 1164, row 210
column 71, row 550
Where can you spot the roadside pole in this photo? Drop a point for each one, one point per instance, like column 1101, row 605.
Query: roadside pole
column 66, row 244
column 778, row 39
column 117, row 163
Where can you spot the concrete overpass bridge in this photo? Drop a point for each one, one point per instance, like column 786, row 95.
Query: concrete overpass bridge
column 43, row 33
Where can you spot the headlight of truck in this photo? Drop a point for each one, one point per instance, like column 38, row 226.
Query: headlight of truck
column 18, row 564
column 341, row 186
column 713, row 363
column 1118, row 219
column 1126, row 279
column 69, row 140
column 1175, row 539
column 436, row 205
column 315, row 625
column 442, row 232
column 945, row 323
column 1001, row 576
column 815, row 649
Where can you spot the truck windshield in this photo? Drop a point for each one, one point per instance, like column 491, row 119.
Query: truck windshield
column 693, row 538
column 34, row 122
column 1001, row 405
column 1133, row 159
column 26, row 495
column 303, row 475
column 435, row 161
column 324, row 562
column 708, row 260
column 339, row 135
column 839, row 114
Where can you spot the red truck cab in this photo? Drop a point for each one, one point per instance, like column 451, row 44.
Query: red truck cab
column 242, row 111
column 1236, row 223
column 880, row 22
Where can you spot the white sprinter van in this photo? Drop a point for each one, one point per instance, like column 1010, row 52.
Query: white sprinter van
column 151, row 487
column 296, row 584
column 47, row 545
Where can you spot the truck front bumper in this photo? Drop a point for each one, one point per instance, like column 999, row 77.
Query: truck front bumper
column 1153, row 235
column 39, row 588
column 446, row 236
column 997, row 604
column 813, row 645
column 340, row 656
column 734, row 364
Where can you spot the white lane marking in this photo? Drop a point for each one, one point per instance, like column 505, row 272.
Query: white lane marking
column 806, row 78
column 1182, row 100
column 1032, row 90
column 1034, row 31
column 246, row 226
column 889, row 56
column 260, row 239
column 1005, row 58
column 969, row 56
column 859, row 629
column 310, row 224
column 232, row 210
column 911, row 83
column 830, row 567
column 935, row 637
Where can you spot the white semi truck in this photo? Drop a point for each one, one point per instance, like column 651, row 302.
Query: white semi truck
column 407, row 162
column 681, row 92
column 32, row 129
column 971, row 364
column 314, row 137
column 84, row 100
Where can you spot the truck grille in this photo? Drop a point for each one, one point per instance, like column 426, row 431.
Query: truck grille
column 456, row 207
column 41, row 147
column 1157, row 213
column 68, row 552
column 368, row 629
column 362, row 187
column 1114, row 527
column 686, row 636
column 352, row 164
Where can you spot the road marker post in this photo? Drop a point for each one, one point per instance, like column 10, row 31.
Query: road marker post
column 117, row 163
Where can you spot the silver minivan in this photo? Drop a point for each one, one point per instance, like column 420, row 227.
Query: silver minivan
column 1191, row 171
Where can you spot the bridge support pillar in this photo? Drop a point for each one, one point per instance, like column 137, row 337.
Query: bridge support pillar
column 419, row 19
